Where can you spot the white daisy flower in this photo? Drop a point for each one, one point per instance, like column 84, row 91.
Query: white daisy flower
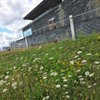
column 72, row 62
column 88, row 54
column 47, row 97
column 14, row 84
column 97, row 62
column 80, row 76
column 90, row 86
column 67, row 96
column 6, row 77
column 87, row 73
column 4, row 90
column 51, row 58
column 79, row 52
column 2, row 82
column 94, row 84
column 66, row 92
column 58, row 86
column 91, row 75
column 81, row 79
column 65, row 85
column 76, row 56
column 84, row 61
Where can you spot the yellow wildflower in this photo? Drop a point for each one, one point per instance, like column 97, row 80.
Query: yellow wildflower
column 98, row 37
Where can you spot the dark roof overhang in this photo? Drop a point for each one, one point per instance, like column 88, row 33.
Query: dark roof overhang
column 41, row 8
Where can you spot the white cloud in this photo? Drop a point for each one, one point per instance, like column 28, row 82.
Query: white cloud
column 6, row 38
column 11, row 18
column 12, row 10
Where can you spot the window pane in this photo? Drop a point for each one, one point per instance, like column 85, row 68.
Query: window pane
column 27, row 32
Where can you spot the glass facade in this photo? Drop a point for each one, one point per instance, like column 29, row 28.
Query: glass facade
column 27, row 32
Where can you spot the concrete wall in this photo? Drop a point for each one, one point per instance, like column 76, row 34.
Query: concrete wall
column 62, row 31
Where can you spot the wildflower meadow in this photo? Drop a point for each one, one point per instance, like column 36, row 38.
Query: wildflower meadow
column 68, row 70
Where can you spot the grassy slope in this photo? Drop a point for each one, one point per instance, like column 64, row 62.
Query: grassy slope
column 54, row 71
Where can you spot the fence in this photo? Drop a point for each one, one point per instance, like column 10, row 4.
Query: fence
column 85, row 22
column 78, row 18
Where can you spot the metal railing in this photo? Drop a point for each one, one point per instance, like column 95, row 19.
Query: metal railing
column 77, row 18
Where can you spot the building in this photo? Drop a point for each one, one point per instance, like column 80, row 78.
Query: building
column 50, row 21
column 6, row 48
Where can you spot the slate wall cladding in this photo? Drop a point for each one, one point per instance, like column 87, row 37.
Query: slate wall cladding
column 61, row 12
column 88, row 26
column 18, row 44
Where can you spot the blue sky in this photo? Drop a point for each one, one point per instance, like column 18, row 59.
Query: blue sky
column 11, row 19
column 5, row 30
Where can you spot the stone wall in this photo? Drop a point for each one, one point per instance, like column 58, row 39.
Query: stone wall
column 88, row 26
column 61, row 31
column 18, row 44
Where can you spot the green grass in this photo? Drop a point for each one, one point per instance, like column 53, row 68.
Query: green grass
column 68, row 70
